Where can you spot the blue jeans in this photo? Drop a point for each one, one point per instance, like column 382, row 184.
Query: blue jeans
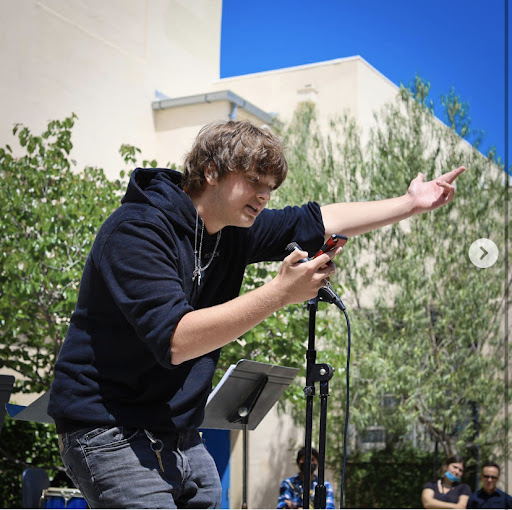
column 116, row 467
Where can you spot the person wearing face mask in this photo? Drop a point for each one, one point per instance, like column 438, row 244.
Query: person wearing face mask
column 292, row 489
column 447, row 491
column 489, row 496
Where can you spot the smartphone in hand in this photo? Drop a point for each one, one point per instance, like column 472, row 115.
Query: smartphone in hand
column 331, row 243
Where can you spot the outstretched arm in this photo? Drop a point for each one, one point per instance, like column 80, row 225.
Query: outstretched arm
column 354, row 218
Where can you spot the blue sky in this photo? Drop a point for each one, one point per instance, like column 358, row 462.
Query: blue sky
column 449, row 43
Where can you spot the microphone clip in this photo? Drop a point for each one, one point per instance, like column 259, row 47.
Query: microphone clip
column 329, row 295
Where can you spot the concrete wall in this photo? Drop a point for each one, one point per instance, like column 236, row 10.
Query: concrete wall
column 336, row 86
column 272, row 448
column 103, row 61
column 176, row 128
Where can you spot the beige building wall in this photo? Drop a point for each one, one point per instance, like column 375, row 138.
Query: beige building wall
column 272, row 452
column 349, row 85
column 343, row 85
column 176, row 128
column 272, row 448
column 103, row 60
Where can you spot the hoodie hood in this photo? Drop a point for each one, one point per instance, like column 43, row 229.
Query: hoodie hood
column 161, row 188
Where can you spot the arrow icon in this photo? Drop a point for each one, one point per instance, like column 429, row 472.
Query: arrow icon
column 483, row 253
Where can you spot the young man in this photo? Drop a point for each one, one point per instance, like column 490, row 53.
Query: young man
column 291, row 490
column 159, row 298
column 489, row 496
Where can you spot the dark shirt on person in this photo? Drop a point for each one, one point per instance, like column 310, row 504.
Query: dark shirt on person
column 498, row 499
column 453, row 495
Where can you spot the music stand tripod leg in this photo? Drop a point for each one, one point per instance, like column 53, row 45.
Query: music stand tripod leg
column 244, row 484
column 321, row 490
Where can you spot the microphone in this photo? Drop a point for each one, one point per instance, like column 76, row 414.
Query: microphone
column 294, row 246
column 326, row 293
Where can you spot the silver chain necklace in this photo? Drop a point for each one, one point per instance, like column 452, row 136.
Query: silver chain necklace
column 198, row 269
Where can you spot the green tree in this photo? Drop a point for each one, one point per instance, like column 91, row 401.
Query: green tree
column 50, row 216
column 377, row 478
column 23, row 445
column 428, row 339
column 425, row 321
column 435, row 323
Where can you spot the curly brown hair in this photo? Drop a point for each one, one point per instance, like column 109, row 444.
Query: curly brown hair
column 230, row 146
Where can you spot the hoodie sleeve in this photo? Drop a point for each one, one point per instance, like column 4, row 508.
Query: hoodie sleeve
column 138, row 262
column 276, row 228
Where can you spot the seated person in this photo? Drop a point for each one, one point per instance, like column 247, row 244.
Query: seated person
column 447, row 492
column 292, row 489
column 489, row 496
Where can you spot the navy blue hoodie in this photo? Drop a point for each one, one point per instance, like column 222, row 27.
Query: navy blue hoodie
column 115, row 366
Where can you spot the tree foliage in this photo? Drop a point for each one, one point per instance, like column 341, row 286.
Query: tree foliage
column 435, row 325
column 23, row 445
column 426, row 335
column 50, row 216
column 388, row 478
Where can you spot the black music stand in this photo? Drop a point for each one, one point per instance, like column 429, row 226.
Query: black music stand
column 245, row 394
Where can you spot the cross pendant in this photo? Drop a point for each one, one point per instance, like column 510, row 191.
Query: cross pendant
column 197, row 274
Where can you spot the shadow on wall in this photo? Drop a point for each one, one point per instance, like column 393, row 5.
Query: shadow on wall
column 280, row 459
column 195, row 116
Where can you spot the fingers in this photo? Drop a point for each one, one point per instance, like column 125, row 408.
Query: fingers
column 451, row 176
column 447, row 188
column 325, row 259
column 448, row 191
column 297, row 256
column 319, row 268
column 326, row 268
column 335, row 252
column 301, row 279
column 445, row 182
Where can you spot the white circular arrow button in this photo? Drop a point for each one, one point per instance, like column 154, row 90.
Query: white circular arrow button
column 483, row 253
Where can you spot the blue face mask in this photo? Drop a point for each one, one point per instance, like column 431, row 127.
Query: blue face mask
column 451, row 477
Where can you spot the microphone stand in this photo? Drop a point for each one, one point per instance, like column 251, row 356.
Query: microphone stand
column 320, row 373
